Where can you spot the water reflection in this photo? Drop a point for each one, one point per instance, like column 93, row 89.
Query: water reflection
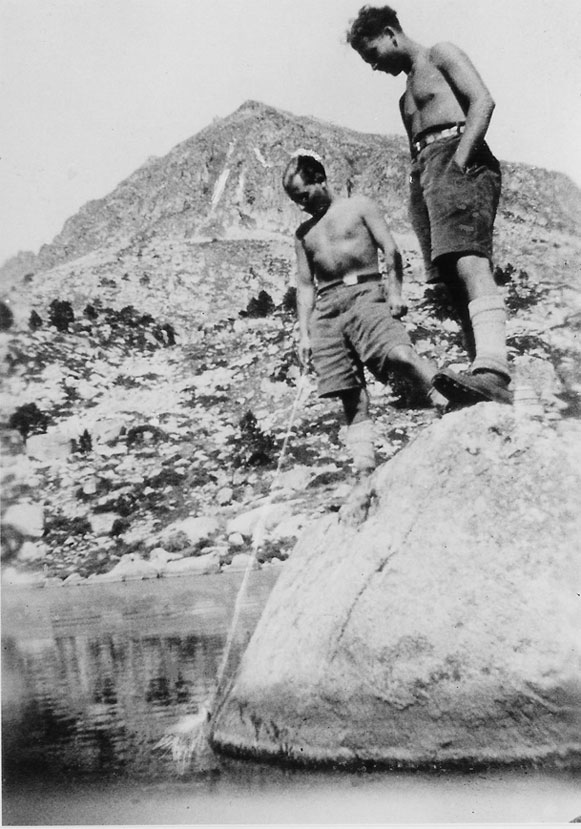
column 92, row 677
column 90, row 688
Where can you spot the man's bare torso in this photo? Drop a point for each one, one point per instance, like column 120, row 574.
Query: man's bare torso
column 429, row 100
column 339, row 243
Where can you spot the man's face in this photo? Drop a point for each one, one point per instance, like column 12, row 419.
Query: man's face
column 311, row 198
column 382, row 54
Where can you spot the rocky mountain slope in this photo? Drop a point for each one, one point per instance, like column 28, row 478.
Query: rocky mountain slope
column 148, row 351
column 224, row 184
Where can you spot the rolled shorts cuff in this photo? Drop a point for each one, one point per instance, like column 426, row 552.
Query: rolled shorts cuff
column 327, row 388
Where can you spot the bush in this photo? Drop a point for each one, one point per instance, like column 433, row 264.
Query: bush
column 60, row 526
column 29, row 420
column 260, row 306
column 6, row 317
column 289, row 360
column 521, row 293
column 91, row 312
column 289, row 300
column 255, row 447
column 437, row 300
column 34, row 321
column 61, row 314
column 84, row 445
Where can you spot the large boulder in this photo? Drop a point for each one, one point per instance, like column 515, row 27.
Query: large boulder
column 436, row 618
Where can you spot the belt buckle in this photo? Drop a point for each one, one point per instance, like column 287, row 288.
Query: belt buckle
column 351, row 279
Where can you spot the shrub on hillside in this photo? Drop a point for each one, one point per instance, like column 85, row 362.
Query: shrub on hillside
column 437, row 299
column 289, row 300
column 521, row 292
column 129, row 326
column 34, row 321
column 61, row 314
column 260, row 306
column 254, row 447
column 6, row 316
column 287, row 368
column 29, row 420
column 84, row 444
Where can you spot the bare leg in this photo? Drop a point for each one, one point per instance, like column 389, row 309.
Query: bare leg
column 475, row 274
column 359, row 429
column 355, row 405
column 489, row 377
column 487, row 315
column 459, row 298
column 418, row 371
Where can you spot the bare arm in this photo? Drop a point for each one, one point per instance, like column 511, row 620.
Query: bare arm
column 382, row 236
column 472, row 94
column 406, row 121
column 305, row 301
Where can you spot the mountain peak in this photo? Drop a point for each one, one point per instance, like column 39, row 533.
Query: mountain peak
column 225, row 183
column 252, row 106
column 260, row 110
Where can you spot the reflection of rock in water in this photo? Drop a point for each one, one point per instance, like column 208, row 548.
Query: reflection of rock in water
column 93, row 678
column 99, row 704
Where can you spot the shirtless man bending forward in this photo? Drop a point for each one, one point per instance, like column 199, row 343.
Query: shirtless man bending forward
column 347, row 314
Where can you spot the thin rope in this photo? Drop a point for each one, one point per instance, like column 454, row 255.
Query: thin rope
column 256, row 540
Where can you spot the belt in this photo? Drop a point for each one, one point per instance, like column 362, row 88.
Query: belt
column 350, row 279
column 435, row 135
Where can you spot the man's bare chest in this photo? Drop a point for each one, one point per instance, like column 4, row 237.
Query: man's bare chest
column 331, row 232
column 424, row 86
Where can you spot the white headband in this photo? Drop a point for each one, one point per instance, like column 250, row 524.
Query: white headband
column 311, row 153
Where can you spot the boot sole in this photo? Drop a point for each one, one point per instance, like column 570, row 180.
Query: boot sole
column 466, row 391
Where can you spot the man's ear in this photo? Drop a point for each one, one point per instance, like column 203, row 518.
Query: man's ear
column 391, row 33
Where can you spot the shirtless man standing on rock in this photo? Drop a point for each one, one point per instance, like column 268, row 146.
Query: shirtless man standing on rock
column 454, row 189
column 347, row 312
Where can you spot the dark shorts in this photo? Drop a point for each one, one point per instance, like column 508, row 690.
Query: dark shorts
column 351, row 327
column 453, row 211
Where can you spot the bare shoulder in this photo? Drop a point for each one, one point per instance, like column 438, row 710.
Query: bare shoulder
column 361, row 204
column 445, row 53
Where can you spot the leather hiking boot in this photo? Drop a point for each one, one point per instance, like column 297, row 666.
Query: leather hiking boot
column 466, row 389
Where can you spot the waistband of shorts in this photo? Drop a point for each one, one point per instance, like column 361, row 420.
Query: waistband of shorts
column 427, row 137
column 355, row 279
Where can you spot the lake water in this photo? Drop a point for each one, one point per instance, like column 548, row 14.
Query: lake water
column 94, row 675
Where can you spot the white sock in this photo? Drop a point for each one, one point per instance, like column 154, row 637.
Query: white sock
column 488, row 318
column 359, row 440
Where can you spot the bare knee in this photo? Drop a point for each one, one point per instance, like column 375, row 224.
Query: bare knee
column 476, row 277
column 402, row 357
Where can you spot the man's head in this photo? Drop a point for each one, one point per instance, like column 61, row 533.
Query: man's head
column 305, row 182
column 376, row 35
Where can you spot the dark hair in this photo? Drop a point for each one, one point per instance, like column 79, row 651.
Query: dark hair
column 308, row 168
column 370, row 23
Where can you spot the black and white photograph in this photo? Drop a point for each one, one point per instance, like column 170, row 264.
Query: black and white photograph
column 290, row 412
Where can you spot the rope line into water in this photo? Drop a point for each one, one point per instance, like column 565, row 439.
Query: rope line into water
column 257, row 536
